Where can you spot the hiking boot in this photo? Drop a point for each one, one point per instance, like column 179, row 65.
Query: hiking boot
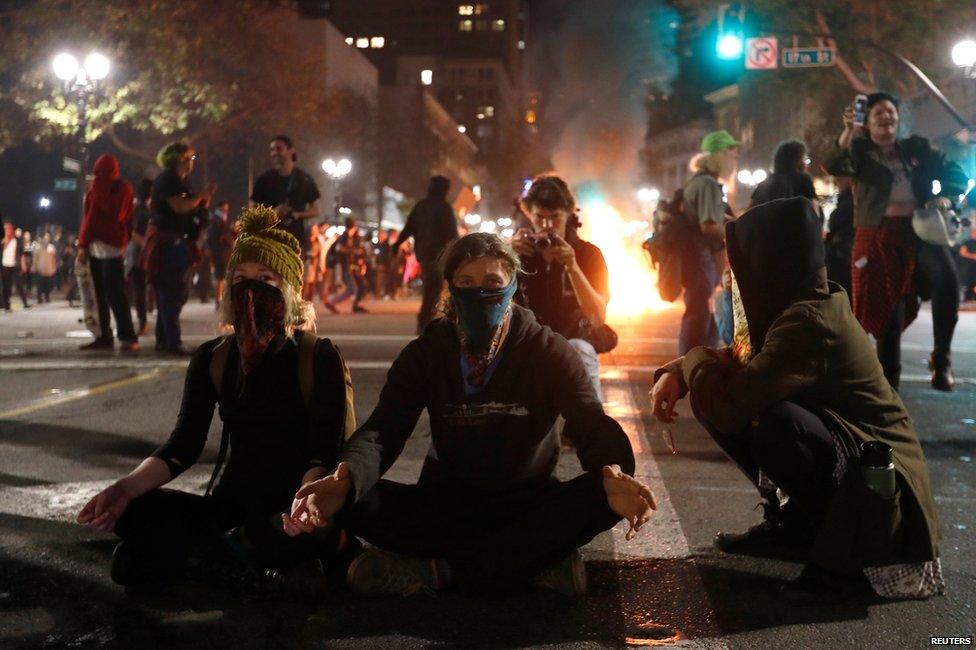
column 942, row 377
column 778, row 535
column 567, row 577
column 818, row 585
column 305, row 581
column 381, row 573
column 98, row 344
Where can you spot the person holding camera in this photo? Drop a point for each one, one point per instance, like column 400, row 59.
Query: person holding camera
column 892, row 267
column 565, row 280
column 170, row 249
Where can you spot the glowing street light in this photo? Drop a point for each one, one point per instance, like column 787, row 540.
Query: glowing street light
column 337, row 170
column 44, row 203
column 751, row 178
column 729, row 46
column 964, row 53
column 648, row 194
column 65, row 66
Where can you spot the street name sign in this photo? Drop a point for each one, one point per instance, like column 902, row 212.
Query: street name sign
column 762, row 53
column 65, row 184
column 808, row 57
column 71, row 165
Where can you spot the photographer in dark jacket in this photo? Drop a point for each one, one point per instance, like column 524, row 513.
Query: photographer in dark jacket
column 433, row 226
column 487, row 513
column 565, row 281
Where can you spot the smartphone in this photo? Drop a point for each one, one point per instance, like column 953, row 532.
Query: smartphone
column 860, row 110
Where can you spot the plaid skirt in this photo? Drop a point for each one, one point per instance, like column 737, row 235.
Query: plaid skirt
column 883, row 273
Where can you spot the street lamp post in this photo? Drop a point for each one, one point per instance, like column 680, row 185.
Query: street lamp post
column 964, row 56
column 80, row 83
column 337, row 170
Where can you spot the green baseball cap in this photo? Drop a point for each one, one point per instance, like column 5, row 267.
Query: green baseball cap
column 718, row 141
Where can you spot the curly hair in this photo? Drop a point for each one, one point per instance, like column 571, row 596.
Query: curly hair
column 550, row 192
column 171, row 154
column 789, row 156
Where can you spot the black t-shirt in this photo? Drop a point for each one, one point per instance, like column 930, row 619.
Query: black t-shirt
column 297, row 190
column 548, row 291
column 167, row 185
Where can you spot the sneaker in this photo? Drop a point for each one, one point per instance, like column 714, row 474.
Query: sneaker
column 942, row 377
column 356, row 309
column 331, row 307
column 774, row 537
column 818, row 585
column 568, row 577
column 380, row 573
column 98, row 344
column 129, row 346
column 304, row 582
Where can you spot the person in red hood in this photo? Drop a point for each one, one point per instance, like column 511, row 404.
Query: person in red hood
column 104, row 234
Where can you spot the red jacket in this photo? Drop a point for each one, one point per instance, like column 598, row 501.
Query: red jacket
column 108, row 206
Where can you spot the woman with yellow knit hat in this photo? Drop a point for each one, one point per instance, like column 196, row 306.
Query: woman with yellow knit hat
column 285, row 399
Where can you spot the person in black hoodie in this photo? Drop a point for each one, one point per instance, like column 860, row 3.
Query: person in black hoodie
column 433, row 226
column 791, row 403
column 789, row 177
column 487, row 513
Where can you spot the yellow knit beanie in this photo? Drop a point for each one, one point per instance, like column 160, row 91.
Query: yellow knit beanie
column 259, row 241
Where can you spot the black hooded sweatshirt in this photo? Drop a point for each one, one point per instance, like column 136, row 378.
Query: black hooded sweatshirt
column 503, row 437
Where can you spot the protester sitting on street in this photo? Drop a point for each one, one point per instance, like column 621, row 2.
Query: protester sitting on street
column 101, row 243
column 789, row 177
column 349, row 250
column 170, row 250
column 892, row 178
column 704, row 253
column 285, row 398
column 487, row 513
column 564, row 280
column 46, row 266
column 433, row 225
column 10, row 276
column 792, row 403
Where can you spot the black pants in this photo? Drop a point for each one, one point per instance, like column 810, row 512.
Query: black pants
column 433, row 284
column 108, row 277
column 791, row 446
column 491, row 543
column 164, row 528
column 44, row 285
column 137, row 282
column 937, row 276
column 10, row 277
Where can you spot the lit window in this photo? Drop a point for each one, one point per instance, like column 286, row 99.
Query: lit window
column 465, row 26
column 489, row 111
column 462, row 129
column 350, row 40
column 377, row 42
column 465, row 10
column 480, row 116
column 480, row 9
column 521, row 45
column 498, row 25
column 362, row 43
column 426, row 77
column 530, row 116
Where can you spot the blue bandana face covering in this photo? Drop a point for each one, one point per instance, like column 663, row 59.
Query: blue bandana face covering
column 480, row 311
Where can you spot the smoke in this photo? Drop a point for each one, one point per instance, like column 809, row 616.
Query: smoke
column 595, row 67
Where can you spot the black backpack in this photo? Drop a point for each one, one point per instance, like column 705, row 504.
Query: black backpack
column 673, row 231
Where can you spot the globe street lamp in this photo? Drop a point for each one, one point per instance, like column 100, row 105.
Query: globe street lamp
column 337, row 170
column 80, row 81
column 964, row 56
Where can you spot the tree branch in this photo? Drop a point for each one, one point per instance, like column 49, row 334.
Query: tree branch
column 842, row 65
column 126, row 148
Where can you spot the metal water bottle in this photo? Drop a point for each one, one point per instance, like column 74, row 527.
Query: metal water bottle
column 877, row 468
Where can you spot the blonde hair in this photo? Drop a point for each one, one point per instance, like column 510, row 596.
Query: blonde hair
column 299, row 313
column 706, row 162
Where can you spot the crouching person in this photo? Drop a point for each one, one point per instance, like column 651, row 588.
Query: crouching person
column 792, row 403
column 487, row 514
column 285, row 400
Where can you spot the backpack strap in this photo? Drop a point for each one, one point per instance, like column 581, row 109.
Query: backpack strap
column 218, row 362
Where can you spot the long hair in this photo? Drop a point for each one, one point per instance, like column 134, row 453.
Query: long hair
column 550, row 192
column 299, row 313
column 789, row 156
column 469, row 248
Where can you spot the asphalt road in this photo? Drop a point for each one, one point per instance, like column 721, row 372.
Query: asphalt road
column 72, row 422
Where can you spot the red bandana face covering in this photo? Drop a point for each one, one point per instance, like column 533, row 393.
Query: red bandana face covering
column 259, row 316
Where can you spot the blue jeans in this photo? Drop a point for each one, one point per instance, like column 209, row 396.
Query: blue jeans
column 724, row 317
column 171, row 294
column 699, row 278
column 355, row 286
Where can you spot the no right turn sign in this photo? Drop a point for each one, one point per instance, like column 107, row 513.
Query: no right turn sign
column 762, row 53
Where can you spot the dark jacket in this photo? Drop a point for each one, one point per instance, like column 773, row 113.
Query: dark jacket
column 784, row 185
column 501, row 438
column 810, row 350
column 547, row 290
column 840, row 241
column 433, row 226
column 864, row 161
column 274, row 437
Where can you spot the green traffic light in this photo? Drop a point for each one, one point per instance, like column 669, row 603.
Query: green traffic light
column 729, row 46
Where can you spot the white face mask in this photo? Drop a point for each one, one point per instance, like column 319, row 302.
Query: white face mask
column 741, row 344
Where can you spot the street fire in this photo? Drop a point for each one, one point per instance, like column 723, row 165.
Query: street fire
column 633, row 284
